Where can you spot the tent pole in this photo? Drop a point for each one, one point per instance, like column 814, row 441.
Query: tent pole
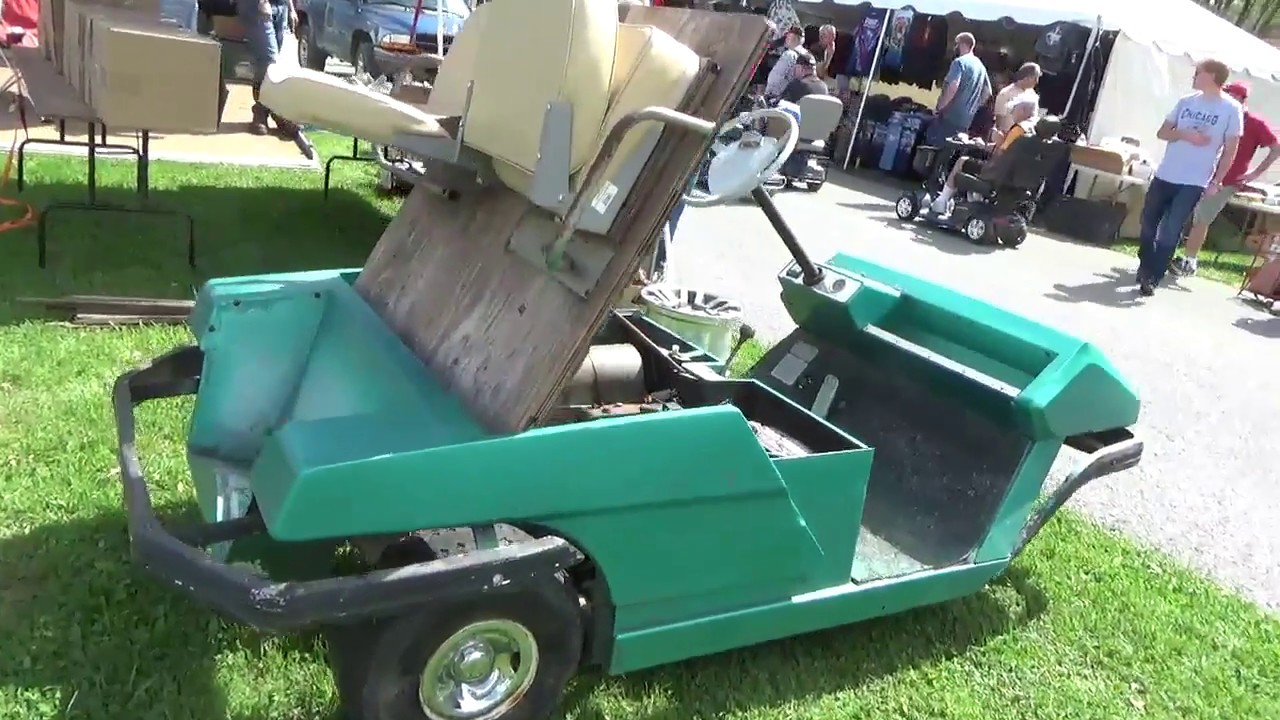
column 1084, row 63
column 866, row 88
column 440, row 27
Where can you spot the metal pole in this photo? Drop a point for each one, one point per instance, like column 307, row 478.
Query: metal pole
column 440, row 27
column 1084, row 63
column 413, row 29
column 866, row 88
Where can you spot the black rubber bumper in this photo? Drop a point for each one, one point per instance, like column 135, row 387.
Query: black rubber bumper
column 178, row 556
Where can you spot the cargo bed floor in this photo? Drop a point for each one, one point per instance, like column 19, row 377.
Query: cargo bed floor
column 877, row 559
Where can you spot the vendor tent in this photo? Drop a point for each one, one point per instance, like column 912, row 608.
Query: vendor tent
column 1158, row 44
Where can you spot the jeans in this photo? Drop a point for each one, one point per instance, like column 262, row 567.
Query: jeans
column 938, row 131
column 1165, row 213
column 265, row 36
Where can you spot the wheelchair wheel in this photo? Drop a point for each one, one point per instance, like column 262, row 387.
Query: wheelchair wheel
column 1011, row 230
column 978, row 230
column 907, row 207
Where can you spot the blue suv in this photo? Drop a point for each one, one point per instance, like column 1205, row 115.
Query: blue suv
column 350, row 29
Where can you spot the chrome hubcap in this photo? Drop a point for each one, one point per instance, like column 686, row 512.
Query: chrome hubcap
column 304, row 52
column 480, row 672
column 976, row 229
column 904, row 206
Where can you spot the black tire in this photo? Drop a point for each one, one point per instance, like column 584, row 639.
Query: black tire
column 310, row 56
column 378, row 666
column 362, row 58
column 977, row 229
column 907, row 207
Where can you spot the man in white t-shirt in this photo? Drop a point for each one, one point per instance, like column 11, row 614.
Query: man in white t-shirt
column 1018, row 93
column 781, row 75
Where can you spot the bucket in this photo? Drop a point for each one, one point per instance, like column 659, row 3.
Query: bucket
column 703, row 319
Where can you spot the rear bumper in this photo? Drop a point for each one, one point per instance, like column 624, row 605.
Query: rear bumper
column 177, row 555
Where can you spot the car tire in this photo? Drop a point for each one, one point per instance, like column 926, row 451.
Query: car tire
column 363, row 60
column 380, row 667
column 310, row 56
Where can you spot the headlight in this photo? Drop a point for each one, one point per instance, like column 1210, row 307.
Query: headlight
column 391, row 41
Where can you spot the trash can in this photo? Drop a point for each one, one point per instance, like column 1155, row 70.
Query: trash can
column 707, row 320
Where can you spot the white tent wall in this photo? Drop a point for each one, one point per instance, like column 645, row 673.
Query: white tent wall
column 1142, row 84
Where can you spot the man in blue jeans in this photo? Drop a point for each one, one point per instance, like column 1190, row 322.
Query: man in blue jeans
column 265, row 23
column 1202, row 132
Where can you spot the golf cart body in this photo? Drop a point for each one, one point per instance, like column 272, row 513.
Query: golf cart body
column 890, row 453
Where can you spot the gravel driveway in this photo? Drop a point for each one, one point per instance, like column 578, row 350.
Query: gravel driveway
column 1208, row 489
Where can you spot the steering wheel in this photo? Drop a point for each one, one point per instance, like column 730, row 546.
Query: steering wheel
column 739, row 165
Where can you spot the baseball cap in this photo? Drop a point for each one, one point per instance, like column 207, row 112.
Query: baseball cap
column 1237, row 90
column 806, row 58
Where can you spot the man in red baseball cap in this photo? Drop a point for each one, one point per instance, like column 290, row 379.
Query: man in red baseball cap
column 1256, row 134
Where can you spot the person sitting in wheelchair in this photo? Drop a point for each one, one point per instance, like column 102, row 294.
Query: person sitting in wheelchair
column 804, row 83
column 805, row 80
column 1024, row 116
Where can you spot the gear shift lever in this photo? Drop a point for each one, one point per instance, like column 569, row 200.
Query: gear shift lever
column 745, row 333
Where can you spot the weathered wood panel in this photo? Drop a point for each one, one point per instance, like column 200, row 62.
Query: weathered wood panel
column 497, row 330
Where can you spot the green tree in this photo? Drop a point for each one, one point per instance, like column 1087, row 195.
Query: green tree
column 1252, row 15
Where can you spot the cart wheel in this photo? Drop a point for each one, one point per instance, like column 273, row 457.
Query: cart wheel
column 505, row 656
column 977, row 229
column 1016, row 238
column 907, row 207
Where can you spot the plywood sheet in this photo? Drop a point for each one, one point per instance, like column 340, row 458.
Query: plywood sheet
column 500, row 332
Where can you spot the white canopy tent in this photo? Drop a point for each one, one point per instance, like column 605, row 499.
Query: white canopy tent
column 1152, row 61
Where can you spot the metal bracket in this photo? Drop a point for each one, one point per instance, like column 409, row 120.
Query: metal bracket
column 604, row 197
column 582, row 262
column 550, row 187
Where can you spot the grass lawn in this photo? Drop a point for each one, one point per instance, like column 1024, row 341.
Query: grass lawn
column 1086, row 627
column 1223, row 266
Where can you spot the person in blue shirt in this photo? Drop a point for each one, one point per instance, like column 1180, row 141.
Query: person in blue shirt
column 965, row 89
column 1203, row 132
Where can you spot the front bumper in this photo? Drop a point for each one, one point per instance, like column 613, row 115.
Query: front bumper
column 177, row 555
column 1108, row 452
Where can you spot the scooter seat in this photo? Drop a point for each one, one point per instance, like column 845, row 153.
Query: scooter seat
column 814, row 146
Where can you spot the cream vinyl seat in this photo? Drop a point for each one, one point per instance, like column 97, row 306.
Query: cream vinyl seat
column 517, row 62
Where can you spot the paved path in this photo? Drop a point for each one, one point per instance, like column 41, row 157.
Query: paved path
column 1208, row 366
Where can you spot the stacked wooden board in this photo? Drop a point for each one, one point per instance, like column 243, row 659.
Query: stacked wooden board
column 135, row 70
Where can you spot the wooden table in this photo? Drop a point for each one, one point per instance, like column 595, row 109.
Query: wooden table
column 52, row 97
column 1261, row 281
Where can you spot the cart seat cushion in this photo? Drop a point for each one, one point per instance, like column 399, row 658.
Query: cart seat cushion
column 651, row 68
column 530, row 54
column 449, row 89
column 308, row 97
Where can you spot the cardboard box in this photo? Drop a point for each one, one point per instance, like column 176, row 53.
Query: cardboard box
column 53, row 22
column 77, row 16
column 151, row 77
column 228, row 28
column 1107, row 161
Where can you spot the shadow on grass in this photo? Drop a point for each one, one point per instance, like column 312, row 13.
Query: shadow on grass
column 238, row 231
column 113, row 642
column 110, row 641
column 822, row 663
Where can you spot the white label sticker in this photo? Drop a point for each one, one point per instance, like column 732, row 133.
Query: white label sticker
column 604, row 198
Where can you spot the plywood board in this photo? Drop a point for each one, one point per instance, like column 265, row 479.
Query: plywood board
column 501, row 333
